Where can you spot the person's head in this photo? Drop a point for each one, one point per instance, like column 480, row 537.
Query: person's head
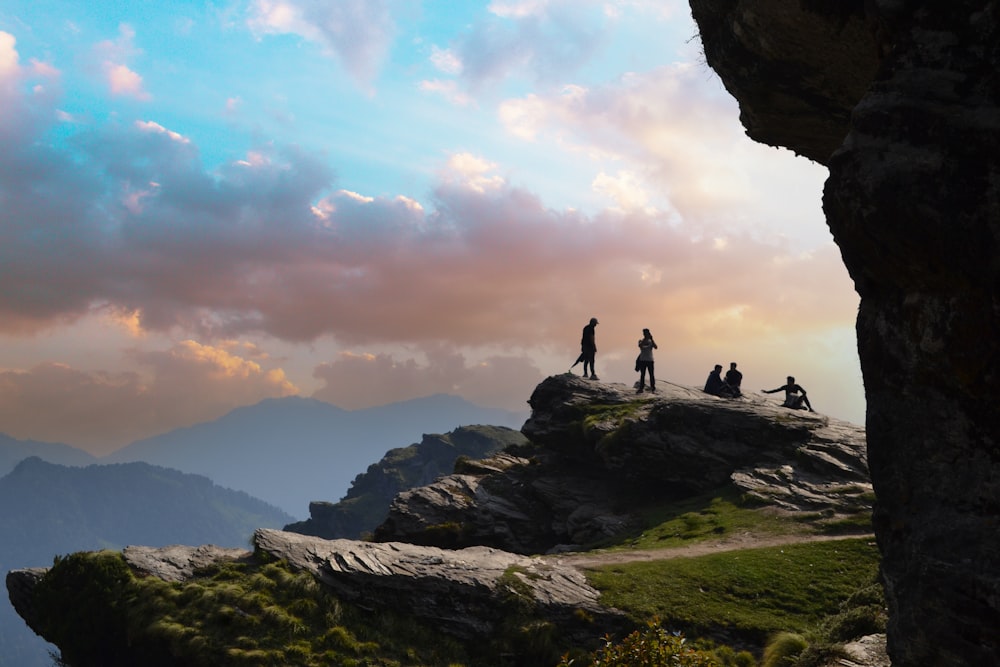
column 791, row 380
column 593, row 320
column 646, row 334
column 718, row 367
column 732, row 365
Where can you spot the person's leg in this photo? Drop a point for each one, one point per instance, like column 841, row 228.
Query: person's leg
column 652, row 378
column 642, row 376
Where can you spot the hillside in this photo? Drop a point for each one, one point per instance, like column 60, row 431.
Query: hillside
column 463, row 579
column 47, row 510
column 367, row 502
column 13, row 451
column 292, row 451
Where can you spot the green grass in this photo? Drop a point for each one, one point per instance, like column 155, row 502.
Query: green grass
column 712, row 516
column 750, row 594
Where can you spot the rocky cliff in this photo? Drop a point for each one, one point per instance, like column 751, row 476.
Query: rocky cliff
column 366, row 503
column 599, row 452
column 460, row 554
column 901, row 100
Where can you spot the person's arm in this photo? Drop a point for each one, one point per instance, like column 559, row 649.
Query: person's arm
column 771, row 391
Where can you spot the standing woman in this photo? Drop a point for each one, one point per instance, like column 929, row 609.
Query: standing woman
column 646, row 347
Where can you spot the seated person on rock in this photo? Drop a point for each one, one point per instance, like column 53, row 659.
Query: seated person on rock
column 792, row 398
column 716, row 386
column 734, row 379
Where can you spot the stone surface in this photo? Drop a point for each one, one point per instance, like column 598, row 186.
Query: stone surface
column 464, row 592
column 599, row 445
column 176, row 562
column 366, row 503
column 913, row 201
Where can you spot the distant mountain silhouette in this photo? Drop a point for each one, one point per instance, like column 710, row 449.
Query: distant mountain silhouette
column 48, row 510
column 13, row 451
column 291, row 451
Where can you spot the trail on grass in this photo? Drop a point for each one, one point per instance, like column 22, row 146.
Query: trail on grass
column 594, row 559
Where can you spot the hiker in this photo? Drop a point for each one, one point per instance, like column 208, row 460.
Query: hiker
column 645, row 361
column 734, row 379
column 588, row 349
column 792, row 398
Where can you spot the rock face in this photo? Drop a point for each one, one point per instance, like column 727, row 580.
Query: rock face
column 366, row 504
column 597, row 447
column 463, row 592
column 900, row 100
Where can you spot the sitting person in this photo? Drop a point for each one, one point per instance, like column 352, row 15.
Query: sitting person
column 716, row 386
column 734, row 379
column 792, row 398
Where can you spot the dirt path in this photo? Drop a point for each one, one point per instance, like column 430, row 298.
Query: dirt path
column 732, row 543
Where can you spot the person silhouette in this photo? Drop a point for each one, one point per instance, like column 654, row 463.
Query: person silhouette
column 588, row 349
column 734, row 379
column 645, row 361
column 792, row 398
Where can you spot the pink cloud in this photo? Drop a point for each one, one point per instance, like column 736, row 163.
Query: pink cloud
column 123, row 81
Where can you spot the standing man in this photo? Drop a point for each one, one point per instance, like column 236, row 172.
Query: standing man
column 588, row 348
column 645, row 360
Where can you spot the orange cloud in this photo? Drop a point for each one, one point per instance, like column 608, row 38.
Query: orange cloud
column 102, row 411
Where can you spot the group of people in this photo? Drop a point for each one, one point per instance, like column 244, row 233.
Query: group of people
column 728, row 387
column 717, row 385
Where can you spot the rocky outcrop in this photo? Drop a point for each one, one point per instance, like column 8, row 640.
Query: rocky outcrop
column 598, row 447
column 366, row 503
column 912, row 140
column 463, row 592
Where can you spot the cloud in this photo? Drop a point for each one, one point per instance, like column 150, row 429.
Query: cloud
column 671, row 126
column 267, row 245
column 544, row 41
column 357, row 32
column 112, row 56
column 101, row 411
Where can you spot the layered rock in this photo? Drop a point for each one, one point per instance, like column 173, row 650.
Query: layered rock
column 598, row 447
column 465, row 593
column 913, row 201
column 366, row 503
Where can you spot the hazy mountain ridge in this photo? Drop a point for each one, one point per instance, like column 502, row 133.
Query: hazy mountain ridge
column 13, row 451
column 292, row 451
column 48, row 509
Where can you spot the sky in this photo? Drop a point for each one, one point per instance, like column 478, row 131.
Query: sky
column 206, row 204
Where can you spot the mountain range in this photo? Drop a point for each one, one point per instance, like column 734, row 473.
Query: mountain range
column 48, row 510
column 291, row 451
column 273, row 458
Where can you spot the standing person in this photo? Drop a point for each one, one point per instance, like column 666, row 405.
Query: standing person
column 645, row 361
column 588, row 349
column 792, row 398
column 734, row 379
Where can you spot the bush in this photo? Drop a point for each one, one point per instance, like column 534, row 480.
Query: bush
column 783, row 649
column 652, row 647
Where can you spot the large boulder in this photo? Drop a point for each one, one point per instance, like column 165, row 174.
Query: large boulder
column 901, row 100
column 598, row 447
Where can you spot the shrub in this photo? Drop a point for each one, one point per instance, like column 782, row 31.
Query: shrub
column 783, row 649
column 652, row 647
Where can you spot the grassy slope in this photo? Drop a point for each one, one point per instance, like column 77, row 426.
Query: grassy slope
column 740, row 597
